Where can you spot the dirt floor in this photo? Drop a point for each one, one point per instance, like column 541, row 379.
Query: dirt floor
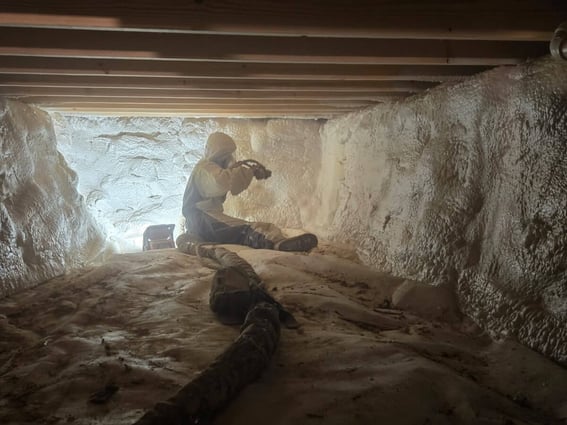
column 103, row 345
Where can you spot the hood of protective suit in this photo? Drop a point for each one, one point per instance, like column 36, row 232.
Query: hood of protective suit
column 219, row 146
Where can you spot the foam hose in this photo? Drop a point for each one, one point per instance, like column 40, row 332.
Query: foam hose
column 242, row 363
column 246, row 295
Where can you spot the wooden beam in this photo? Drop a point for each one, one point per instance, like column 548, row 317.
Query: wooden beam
column 444, row 19
column 185, row 84
column 157, row 95
column 202, row 110
column 203, row 106
column 194, row 103
column 237, row 48
column 153, row 112
column 176, row 69
column 209, row 108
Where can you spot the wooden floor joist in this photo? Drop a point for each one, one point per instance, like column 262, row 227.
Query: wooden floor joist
column 236, row 48
column 185, row 84
column 24, row 65
column 280, row 56
column 160, row 95
column 209, row 104
column 265, row 113
column 480, row 19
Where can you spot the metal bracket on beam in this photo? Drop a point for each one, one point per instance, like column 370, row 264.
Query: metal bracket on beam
column 558, row 45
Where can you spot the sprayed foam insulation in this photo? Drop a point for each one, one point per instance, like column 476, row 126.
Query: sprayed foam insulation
column 134, row 170
column 465, row 186
column 45, row 228
column 462, row 187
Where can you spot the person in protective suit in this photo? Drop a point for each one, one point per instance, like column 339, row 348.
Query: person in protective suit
column 212, row 178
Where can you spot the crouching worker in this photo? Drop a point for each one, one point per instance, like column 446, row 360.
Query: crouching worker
column 212, row 178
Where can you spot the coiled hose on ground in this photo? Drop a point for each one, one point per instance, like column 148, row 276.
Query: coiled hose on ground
column 236, row 296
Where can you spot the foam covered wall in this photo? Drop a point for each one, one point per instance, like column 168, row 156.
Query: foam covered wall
column 133, row 171
column 45, row 228
column 464, row 186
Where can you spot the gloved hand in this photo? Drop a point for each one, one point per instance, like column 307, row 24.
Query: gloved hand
column 261, row 173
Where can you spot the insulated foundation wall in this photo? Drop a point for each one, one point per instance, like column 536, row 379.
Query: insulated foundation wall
column 464, row 186
column 44, row 225
column 133, row 170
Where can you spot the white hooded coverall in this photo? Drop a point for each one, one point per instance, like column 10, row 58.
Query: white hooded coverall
column 206, row 191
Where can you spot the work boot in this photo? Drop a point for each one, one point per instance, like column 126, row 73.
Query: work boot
column 257, row 240
column 301, row 243
column 187, row 243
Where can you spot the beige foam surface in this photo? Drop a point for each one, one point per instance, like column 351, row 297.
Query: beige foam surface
column 142, row 323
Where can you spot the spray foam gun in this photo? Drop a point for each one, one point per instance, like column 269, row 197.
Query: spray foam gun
column 260, row 171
